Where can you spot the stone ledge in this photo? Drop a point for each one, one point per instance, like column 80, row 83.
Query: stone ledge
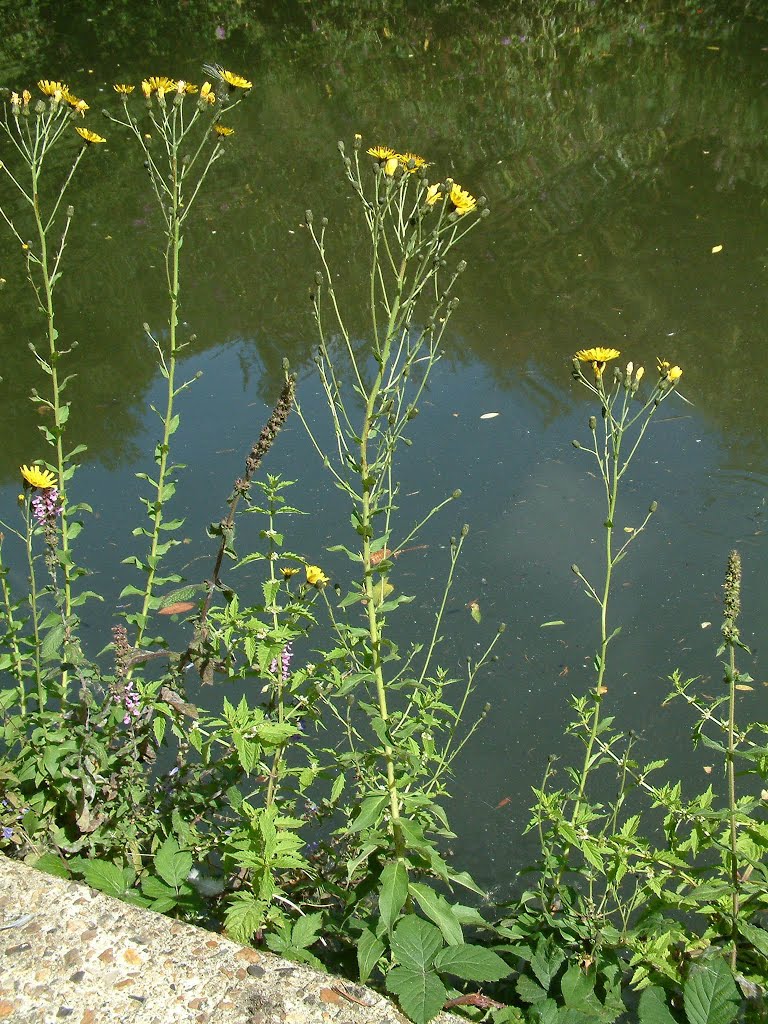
column 69, row 953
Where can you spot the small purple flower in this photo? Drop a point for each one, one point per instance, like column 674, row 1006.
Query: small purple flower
column 221, row 32
column 284, row 664
column 130, row 701
column 45, row 505
column 7, row 832
column 506, row 41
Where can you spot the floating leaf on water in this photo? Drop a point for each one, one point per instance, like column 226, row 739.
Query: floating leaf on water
column 764, row 794
column 706, row 625
column 474, row 610
column 708, row 769
column 717, row 248
column 554, row 622
column 629, row 529
column 503, row 802
column 176, row 608
column 602, row 689
column 743, row 686
column 490, row 415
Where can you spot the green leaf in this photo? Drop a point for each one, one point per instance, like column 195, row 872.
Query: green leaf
column 529, row 991
column 172, row 864
column 52, row 641
column 370, row 949
column 472, row 963
column 105, row 876
column 370, row 809
column 577, row 988
column 652, row 1008
column 393, row 892
column 275, row 734
column 710, row 995
column 245, row 916
column 52, row 865
column 158, row 728
column 338, row 787
column 546, row 962
column 415, row 943
column 305, row 930
column 438, row 909
column 421, row 994
column 757, row 936
column 156, row 889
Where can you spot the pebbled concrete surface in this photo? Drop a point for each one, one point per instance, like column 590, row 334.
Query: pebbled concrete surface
column 71, row 954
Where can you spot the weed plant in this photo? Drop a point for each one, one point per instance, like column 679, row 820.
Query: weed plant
column 310, row 816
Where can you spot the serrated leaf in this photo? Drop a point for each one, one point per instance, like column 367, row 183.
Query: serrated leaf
column 438, row 910
column 370, row 949
column 577, row 987
column 393, row 892
column 105, row 876
column 421, row 994
column 472, row 963
column 172, row 864
column 710, row 995
column 546, row 962
column 305, row 930
column 652, row 1008
column 529, row 991
column 415, row 943
column 757, row 936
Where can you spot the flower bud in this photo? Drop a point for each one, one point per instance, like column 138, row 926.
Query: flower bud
column 456, row 494
column 653, row 506
column 465, row 530
column 576, row 444
column 593, row 423
column 575, row 569
column 639, row 374
column 308, row 216
column 340, row 147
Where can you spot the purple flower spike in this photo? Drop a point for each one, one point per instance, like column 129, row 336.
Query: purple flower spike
column 46, row 505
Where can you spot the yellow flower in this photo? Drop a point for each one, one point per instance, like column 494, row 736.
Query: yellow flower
column 674, row 374
column 381, row 153
column 639, row 374
column 146, row 88
column 598, row 357
column 157, row 82
column 462, row 201
column 49, row 88
column 124, row 90
column 205, row 90
column 36, row 477
column 26, row 97
column 236, row 81
column 316, row 577
column 390, row 165
column 288, row 571
column 662, row 366
column 223, row 130
column 88, row 135
column 411, row 158
column 183, row 87
column 434, row 195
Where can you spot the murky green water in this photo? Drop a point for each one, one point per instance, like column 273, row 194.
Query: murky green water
column 614, row 163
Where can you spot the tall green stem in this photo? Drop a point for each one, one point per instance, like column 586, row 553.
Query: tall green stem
column 731, row 775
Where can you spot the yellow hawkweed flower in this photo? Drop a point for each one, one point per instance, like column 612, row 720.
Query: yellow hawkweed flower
column 49, row 88
column 26, row 96
column 390, row 165
column 434, row 195
column 183, row 87
column 662, row 365
column 288, row 571
column 411, row 158
column 381, row 153
column 15, row 100
column 316, row 577
column 674, row 374
column 639, row 374
column 205, row 90
column 88, row 136
column 598, row 357
column 462, row 201
column 236, row 81
column 36, row 477
column 146, row 88
column 223, row 130
column 123, row 90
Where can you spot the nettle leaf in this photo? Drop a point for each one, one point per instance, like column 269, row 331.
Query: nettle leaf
column 415, row 943
column 106, row 877
column 578, row 988
column 472, row 963
column 393, row 892
column 757, row 936
column 421, row 994
column 172, row 864
column 710, row 995
column 546, row 961
column 244, row 917
column 529, row 991
column 304, row 932
column 652, row 1008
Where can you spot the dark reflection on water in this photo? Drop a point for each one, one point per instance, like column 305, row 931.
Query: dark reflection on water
column 613, row 168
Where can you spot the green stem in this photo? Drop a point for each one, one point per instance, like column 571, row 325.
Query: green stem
column 731, row 775
column 172, row 269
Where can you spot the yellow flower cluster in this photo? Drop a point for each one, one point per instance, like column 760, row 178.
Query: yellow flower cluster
column 391, row 161
column 598, row 357
column 316, row 577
